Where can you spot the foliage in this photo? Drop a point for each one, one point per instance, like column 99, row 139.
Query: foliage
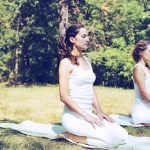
column 113, row 67
column 37, row 40
column 115, row 19
column 8, row 38
column 4, row 66
column 32, row 42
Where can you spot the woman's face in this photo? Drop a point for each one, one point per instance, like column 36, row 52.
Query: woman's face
column 146, row 54
column 81, row 40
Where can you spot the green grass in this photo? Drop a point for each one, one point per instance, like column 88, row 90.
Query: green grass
column 42, row 104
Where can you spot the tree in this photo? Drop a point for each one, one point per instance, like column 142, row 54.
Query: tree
column 30, row 30
column 33, row 37
column 63, row 8
column 115, row 21
column 10, row 22
column 39, row 40
column 17, row 40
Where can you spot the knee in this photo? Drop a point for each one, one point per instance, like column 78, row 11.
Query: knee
column 124, row 137
column 117, row 138
column 112, row 142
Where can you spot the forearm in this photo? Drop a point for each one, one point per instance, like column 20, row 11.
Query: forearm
column 146, row 96
column 96, row 103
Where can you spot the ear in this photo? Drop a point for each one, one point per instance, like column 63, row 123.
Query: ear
column 141, row 53
column 71, row 39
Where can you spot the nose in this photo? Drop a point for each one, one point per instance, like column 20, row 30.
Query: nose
column 87, row 39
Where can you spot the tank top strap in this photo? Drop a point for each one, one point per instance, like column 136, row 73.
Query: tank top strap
column 87, row 61
column 142, row 68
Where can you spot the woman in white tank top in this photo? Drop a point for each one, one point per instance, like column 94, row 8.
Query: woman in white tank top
column 76, row 80
column 141, row 78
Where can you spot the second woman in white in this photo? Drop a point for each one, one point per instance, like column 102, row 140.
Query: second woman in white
column 141, row 76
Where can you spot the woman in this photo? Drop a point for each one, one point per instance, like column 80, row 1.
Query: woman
column 141, row 79
column 76, row 80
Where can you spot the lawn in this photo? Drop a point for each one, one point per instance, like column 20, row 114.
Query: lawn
column 42, row 104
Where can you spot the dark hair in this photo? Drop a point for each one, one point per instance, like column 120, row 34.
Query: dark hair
column 66, row 46
column 140, row 47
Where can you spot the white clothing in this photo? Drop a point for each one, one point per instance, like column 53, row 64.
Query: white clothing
column 141, row 108
column 81, row 91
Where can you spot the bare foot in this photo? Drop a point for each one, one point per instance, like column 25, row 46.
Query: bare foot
column 146, row 124
column 67, row 135
column 75, row 138
column 59, row 136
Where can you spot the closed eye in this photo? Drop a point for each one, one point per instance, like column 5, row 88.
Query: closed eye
column 84, row 35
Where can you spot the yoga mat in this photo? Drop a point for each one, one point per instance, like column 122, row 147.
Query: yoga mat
column 135, row 143
column 124, row 120
column 50, row 131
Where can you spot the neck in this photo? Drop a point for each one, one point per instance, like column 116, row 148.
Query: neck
column 142, row 62
column 76, row 52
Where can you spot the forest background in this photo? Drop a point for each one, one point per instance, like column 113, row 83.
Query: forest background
column 29, row 35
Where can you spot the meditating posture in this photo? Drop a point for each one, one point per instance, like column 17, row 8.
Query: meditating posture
column 141, row 78
column 76, row 80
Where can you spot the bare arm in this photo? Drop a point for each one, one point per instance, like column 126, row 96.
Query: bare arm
column 97, row 107
column 96, row 103
column 139, row 78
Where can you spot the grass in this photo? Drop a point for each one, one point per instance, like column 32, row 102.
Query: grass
column 42, row 104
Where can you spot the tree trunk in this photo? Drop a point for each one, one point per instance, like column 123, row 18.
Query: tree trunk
column 63, row 8
column 17, row 49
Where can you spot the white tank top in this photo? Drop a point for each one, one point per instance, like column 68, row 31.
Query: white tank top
column 81, row 87
column 138, row 97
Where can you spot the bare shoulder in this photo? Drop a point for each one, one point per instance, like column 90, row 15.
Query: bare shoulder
column 88, row 59
column 65, row 61
column 138, row 70
column 65, row 65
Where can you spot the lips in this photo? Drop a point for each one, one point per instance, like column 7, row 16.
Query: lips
column 87, row 44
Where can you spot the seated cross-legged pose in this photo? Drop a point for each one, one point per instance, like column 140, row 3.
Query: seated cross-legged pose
column 141, row 78
column 76, row 80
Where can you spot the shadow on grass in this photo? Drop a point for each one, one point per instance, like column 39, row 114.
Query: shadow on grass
column 8, row 132
column 30, row 85
column 8, row 121
column 34, row 144
column 2, row 145
column 64, row 142
column 22, row 143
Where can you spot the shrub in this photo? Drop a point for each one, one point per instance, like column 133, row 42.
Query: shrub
column 113, row 67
